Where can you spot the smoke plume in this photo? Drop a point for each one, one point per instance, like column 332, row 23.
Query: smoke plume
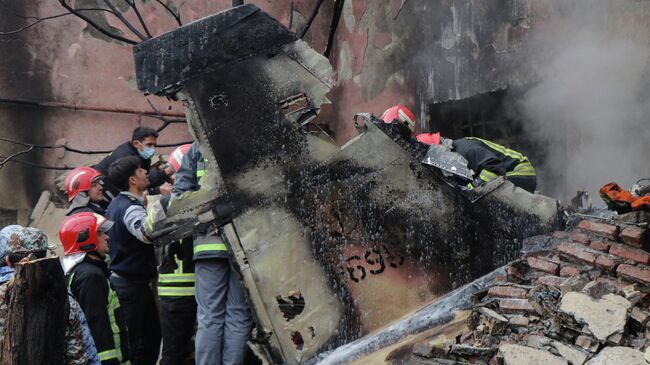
column 589, row 111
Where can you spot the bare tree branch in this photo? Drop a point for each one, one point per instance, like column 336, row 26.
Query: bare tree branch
column 128, row 24
column 38, row 20
column 8, row 158
column 134, row 6
column 166, row 121
column 95, row 25
column 311, row 19
column 173, row 14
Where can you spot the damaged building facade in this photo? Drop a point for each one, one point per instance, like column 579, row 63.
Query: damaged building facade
column 456, row 63
column 361, row 222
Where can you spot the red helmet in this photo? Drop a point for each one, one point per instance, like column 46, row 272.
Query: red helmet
column 429, row 138
column 402, row 114
column 79, row 232
column 176, row 157
column 80, row 179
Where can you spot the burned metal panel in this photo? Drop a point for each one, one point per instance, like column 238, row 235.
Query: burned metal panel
column 168, row 60
column 332, row 243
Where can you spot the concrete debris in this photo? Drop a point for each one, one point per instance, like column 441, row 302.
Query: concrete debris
column 618, row 355
column 597, row 311
column 572, row 354
column 519, row 355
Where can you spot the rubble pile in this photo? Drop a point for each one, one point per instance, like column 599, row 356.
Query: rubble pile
column 583, row 298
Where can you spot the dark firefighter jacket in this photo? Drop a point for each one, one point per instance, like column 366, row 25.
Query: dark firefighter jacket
column 176, row 270
column 156, row 177
column 81, row 203
column 88, row 282
column 489, row 160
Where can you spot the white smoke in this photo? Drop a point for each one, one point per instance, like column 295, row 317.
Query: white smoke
column 590, row 110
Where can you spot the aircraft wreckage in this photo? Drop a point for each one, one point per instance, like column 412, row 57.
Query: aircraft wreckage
column 332, row 242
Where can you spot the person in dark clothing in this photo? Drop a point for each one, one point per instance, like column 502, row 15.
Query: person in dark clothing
column 223, row 315
column 85, row 192
column 85, row 243
column 133, row 260
column 489, row 160
column 141, row 145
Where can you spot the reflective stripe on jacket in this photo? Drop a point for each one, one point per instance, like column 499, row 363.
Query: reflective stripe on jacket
column 490, row 160
column 180, row 281
column 89, row 284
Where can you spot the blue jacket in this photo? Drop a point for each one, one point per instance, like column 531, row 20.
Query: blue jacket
column 131, row 252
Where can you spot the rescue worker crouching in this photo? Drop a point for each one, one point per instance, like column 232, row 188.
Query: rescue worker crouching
column 85, row 243
column 487, row 159
column 85, row 192
column 223, row 315
column 176, row 291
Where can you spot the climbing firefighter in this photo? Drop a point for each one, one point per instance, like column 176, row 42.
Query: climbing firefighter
column 142, row 145
column 176, row 291
column 223, row 315
column 85, row 243
column 402, row 117
column 487, row 159
column 85, row 192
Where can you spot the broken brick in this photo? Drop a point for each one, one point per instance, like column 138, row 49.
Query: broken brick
column 568, row 271
column 633, row 236
column 543, row 265
column 510, row 305
column 507, row 292
column 630, row 253
column 574, row 283
column 607, row 262
column 561, row 234
column 599, row 246
column 576, row 252
column 580, row 238
column 551, row 280
column 618, row 285
column 639, row 316
column 600, row 229
column 639, row 274
column 515, row 274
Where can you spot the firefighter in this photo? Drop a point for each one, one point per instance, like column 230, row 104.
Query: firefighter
column 85, row 192
column 142, row 145
column 401, row 116
column 133, row 262
column 223, row 315
column 85, row 243
column 487, row 159
column 176, row 291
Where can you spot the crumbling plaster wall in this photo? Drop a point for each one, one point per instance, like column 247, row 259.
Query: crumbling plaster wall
column 413, row 52
column 419, row 52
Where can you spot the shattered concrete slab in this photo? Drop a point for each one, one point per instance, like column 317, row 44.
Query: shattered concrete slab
column 618, row 355
column 520, row 355
column 604, row 317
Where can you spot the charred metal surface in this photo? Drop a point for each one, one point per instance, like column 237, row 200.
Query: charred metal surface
column 366, row 233
column 167, row 61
